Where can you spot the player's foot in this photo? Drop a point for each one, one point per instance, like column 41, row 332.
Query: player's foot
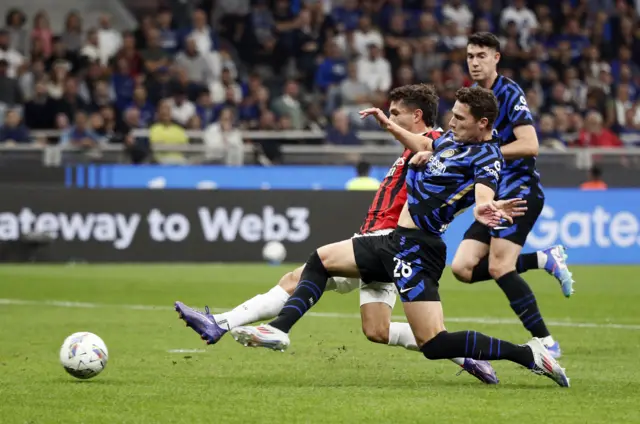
column 482, row 370
column 553, row 347
column 201, row 323
column 556, row 266
column 544, row 364
column 263, row 335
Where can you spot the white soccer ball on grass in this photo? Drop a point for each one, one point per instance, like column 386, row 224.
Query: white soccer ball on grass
column 84, row 355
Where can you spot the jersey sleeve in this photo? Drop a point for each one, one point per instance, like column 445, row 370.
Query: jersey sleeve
column 518, row 109
column 487, row 163
column 436, row 142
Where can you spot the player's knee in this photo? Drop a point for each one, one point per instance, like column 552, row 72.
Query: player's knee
column 436, row 347
column 499, row 267
column 461, row 271
column 289, row 281
column 376, row 332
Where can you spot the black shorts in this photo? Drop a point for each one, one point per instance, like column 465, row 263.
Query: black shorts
column 516, row 232
column 411, row 258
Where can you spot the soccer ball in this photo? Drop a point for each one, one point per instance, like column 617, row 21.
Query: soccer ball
column 274, row 252
column 84, row 355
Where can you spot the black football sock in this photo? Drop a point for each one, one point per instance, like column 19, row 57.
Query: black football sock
column 527, row 261
column 481, row 271
column 309, row 290
column 523, row 302
column 471, row 344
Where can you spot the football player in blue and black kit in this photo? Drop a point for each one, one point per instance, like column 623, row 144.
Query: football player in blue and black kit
column 485, row 253
column 463, row 166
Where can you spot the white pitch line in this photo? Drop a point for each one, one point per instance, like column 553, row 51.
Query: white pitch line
column 186, row 351
column 462, row 320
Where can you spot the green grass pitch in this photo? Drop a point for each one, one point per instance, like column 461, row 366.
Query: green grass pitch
column 331, row 373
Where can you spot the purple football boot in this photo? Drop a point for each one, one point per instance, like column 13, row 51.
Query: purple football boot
column 202, row 323
column 482, row 370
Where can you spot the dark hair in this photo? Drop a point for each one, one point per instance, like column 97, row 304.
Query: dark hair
column 484, row 39
column 363, row 168
column 596, row 172
column 482, row 103
column 13, row 12
column 419, row 96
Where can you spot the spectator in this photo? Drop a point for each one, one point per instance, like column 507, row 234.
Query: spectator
column 268, row 152
column 332, row 70
column 59, row 74
column 60, row 55
column 137, row 148
column 223, row 139
column 130, row 55
column 458, row 12
column 42, row 33
column 307, row 46
column 13, row 57
column 145, row 109
column 71, row 103
column 523, row 17
column 363, row 182
column 27, row 80
column 72, row 35
column 109, row 40
column 204, row 37
column 165, row 131
column 366, row 35
column 10, row 94
column 340, row 131
column 374, row 70
column 205, row 109
column 154, row 56
column 40, row 111
column 169, row 37
column 18, row 34
column 594, row 181
column 219, row 89
column 182, row 110
column 195, row 64
column 80, row 134
column 355, row 95
column 12, row 131
column 426, row 58
column 595, row 135
column 548, row 136
column 122, row 84
column 90, row 51
column 289, row 105
column 158, row 85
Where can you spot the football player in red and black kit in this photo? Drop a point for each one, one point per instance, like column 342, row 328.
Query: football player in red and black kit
column 414, row 108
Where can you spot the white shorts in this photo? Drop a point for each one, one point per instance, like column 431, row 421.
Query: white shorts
column 373, row 292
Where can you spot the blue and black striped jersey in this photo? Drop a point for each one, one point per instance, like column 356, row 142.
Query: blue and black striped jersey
column 443, row 187
column 519, row 177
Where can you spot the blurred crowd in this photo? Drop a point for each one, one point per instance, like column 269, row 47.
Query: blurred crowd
column 222, row 66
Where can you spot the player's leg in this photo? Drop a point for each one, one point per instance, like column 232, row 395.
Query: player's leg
column 472, row 251
column 471, row 262
column 427, row 322
column 376, row 304
column 337, row 258
column 267, row 305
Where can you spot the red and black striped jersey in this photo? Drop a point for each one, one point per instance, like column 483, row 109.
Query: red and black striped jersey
column 391, row 196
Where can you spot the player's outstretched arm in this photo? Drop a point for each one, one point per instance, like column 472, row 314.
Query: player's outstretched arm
column 525, row 145
column 413, row 142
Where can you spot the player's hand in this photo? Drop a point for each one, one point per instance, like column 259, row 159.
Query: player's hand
column 512, row 207
column 420, row 158
column 490, row 215
column 383, row 120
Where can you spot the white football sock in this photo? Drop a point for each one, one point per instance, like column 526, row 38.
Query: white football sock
column 400, row 334
column 262, row 306
column 548, row 341
column 542, row 259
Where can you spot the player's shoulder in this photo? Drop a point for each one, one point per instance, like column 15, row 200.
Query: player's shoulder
column 506, row 87
column 444, row 140
column 489, row 150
